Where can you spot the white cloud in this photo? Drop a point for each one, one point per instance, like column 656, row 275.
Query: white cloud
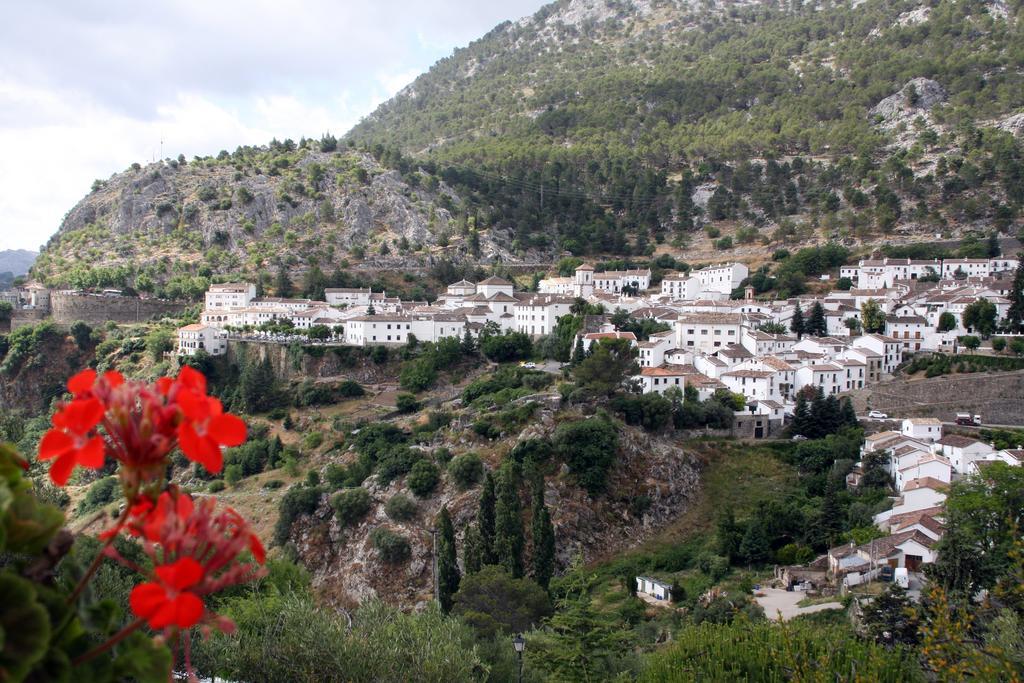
column 112, row 78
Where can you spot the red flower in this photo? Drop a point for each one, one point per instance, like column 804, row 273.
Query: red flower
column 71, row 441
column 205, row 428
column 167, row 601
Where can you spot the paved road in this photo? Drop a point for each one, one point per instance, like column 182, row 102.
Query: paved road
column 782, row 605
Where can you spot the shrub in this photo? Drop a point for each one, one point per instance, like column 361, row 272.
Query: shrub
column 298, row 501
column 351, row 505
column 588, row 447
column 998, row 344
column 400, row 507
column 216, row 486
column 442, row 455
column 350, row 389
column 98, row 495
column 313, row 440
column 233, row 474
column 407, row 403
column 392, row 547
column 273, row 484
column 724, row 244
column 466, row 470
column 423, row 478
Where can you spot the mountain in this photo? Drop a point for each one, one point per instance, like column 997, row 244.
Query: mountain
column 609, row 128
column 650, row 118
column 16, row 261
column 168, row 227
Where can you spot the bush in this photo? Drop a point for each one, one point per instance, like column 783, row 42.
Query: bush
column 313, row 440
column 724, row 244
column 350, row 389
column 99, row 494
column 400, row 507
column 998, row 344
column 442, row 455
column 351, row 505
column 423, row 478
column 588, row 447
column 466, row 470
column 407, row 403
column 273, row 484
column 297, row 501
column 216, row 486
column 392, row 547
column 233, row 474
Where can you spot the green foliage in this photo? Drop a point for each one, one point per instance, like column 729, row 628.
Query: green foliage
column 651, row 411
column 82, row 334
column 872, row 317
column 773, row 652
column 298, row 501
column 509, row 540
column 466, row 470
column 589, row 448
column 493, row 602
column 351, row 505
column 407, row 403
column 99, row 494
column 448, row 576
column 393, row 548
column 423, row 478
column 947, row 322
column 400, row 507
column 980, row 316
column 610, row 364
column 502, row 348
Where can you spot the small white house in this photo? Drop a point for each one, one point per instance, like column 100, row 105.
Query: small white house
column 197, row 337
column 962, row 450
column 662, row 378
column 659, row 590
column 923, row 428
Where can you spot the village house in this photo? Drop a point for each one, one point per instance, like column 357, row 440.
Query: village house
column 660, row 379
column 198, row 337
column 722, row 278
column 659, row 590
column 229, row 295
column 961, row 451
column 926, row 429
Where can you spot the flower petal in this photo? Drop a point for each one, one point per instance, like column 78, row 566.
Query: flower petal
column 192, row 379
column 188, row 609
column 257, row 550
column 113, row 378
column 92, row 454
column 55, row 442
column 82, row 382
column 194, row 406
column 80, row 415
column 60, row 470
column 227, row 429
column 146, row 599
column 181, row 574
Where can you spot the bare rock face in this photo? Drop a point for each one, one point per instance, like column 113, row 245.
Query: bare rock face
column 919, row 95
column 652, row 483
column 1013, row 124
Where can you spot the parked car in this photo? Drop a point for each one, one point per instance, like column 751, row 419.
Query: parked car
column 529, row 365
column 799, row 437
column 877, row 415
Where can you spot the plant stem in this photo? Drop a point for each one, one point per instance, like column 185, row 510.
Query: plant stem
column 114, row 640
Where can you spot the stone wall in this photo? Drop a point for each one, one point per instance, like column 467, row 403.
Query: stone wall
column 997, row 396
column 26, row 316
column 67, row 308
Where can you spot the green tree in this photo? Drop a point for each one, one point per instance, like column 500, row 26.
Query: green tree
column 980, row 316
column 729, row 535
column 796, row 324
column 872, row 317
column 891, row 618
column 472, row 550
column 423, row 478
column 970, row 342
column 754, row 548
column 485, row 519
column 543, row 534
column 578, row 643
column 351, row 505
column 508, row 523
column 947, row 322
column 1015, row 314
column 816, row 324
column 984, row 514
column 447, row 566
column 589, row 448
column 610, row 363
column 493, row 602
column 82, row 334
column 283, row 282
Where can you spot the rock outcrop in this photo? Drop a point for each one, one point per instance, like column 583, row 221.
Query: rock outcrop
column 919, row 95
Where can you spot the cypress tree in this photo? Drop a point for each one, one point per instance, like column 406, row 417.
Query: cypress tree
column 508, row 525
column 816, row 324
column 543, row 540
column 801, row 416
column 754, row 547
column 468, row 346
column 485, row 521
column 831, row 517
column 283, row 283
column 849, row 415
column 472, row 551
column 578, row 354
column 448, row 576
column 796, row 325
column 1015, row 314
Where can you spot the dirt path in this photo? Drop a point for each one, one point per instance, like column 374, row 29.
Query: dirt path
column 782, row 605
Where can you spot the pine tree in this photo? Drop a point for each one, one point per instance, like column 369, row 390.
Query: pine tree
column 468, row 346
column 816, row 324
column 1015, row 314
column 447, row 566
column 283, row 283
column 801, row 416
column 729, row 535
column 849, row 415
column 472, row 550
column 543, row 540
column 485, row 520
column 578, row 354
column 754, row 548
column 796, row 325
column 830, row 520
column 508, row 525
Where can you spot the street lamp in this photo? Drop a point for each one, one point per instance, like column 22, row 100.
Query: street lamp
column 519, row 643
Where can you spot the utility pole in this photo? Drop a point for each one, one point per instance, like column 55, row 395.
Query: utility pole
column 437, row 586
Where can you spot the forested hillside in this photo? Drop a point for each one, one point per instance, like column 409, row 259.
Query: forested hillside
column 627, row 123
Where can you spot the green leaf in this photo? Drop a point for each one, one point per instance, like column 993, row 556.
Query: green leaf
column 26, row 627
column 30, row 524
column 143, row 659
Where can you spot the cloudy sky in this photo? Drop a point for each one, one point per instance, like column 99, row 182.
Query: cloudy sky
column 89, row 86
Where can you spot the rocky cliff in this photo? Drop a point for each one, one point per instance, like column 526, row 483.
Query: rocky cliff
column 347, row 569
column 247, row 211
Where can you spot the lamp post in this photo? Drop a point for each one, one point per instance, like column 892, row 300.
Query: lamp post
column 519, row 643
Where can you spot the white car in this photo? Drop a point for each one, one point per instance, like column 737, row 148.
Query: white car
column 529, row 366
column 877, row 415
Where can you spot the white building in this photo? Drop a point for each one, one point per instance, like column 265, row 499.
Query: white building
column 680, row 286
column 346, row 296
column 962, row 451
column 229, row 296
column 926, row 429
column 722, row 278
column 708, row 332
column 197, row 337
column 660, row 379
column 539, row 314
